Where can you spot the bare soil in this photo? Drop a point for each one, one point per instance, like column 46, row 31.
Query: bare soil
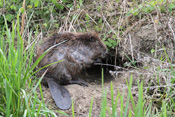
column 82, row 96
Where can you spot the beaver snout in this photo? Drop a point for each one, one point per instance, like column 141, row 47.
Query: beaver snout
column 97, row 61
column 104, row 54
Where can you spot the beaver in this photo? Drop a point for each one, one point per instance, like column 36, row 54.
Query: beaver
column 78, row 52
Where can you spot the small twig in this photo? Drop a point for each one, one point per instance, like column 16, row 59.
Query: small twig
column 110, row 26
column 105, row 64
column 63, row 5
column 90, row 17
column 131, row 48
column 155, row 29
column 23, row 18
column 28, row 46
column 169, row 24
column 66, row 21
column 74, row 20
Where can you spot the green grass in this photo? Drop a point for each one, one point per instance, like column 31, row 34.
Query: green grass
column 18, row 92
column 138, row 107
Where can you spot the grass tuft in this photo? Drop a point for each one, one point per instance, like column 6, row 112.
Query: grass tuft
column 18, row 95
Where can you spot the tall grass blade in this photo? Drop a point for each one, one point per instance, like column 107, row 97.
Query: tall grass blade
column 128, row 96
column 130, row 93
column 90, row 110
column 112, row 101
column 122, row 104
column 104, row 105
column 140, row 104
column 104, row 100
column 130, row 113
column 73, row 113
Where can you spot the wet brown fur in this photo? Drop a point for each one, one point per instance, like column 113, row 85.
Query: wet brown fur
column 78, row 52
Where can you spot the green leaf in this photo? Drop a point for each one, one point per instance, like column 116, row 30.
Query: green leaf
column 65, row 1
column 98, row 8
column 135, row 13
column 146, row 67
column 140, row 6
column 29, row 6
column 110, row 40
column 103, row 39
column 9, row 17
column 45, row 24
column 162, row 8
column 54, row 1
column 80, row 2
column 1, row 2
column 110, row 45
column 120, row 27
column 36, row 3
column 150, row 7
column 145, row 9
column 152, row 51
column 60, row 6
column 171, row 7
column 13, row 7
column 31, row 1
column 153, row 3
column 69, row 5
column 161, row 1
column 129, row 13
column 114, row 44
column 114, row 36
column 107, row 43
column 22, row 10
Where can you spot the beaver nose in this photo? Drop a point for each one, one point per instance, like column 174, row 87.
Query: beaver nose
column 106, row 53
column 97, row 60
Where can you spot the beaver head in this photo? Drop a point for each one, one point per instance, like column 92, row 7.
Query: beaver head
column 93, row 46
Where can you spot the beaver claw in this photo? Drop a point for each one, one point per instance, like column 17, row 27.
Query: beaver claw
column 80, row 82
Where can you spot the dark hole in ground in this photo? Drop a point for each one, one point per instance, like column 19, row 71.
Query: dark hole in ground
column 94, row 73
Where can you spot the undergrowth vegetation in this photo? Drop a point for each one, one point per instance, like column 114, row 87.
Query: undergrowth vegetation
column 23, row 23
column 18, row 94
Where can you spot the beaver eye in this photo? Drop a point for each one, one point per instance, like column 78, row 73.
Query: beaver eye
column 92, row 39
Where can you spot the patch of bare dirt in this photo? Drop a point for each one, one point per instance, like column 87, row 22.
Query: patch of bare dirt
column 82, row 96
